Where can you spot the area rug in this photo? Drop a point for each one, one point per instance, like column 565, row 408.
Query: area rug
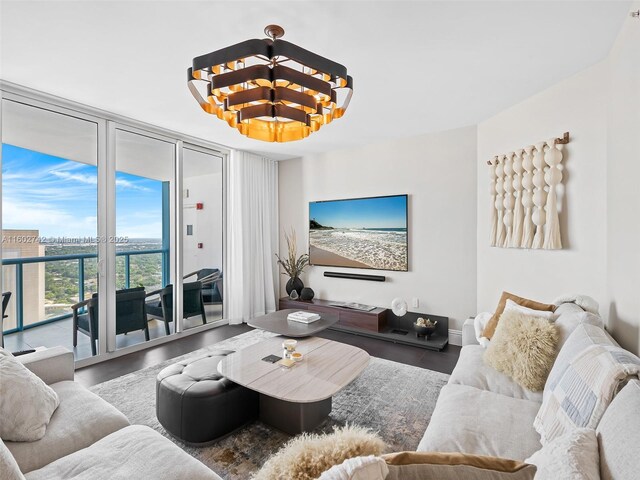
column 391, row 398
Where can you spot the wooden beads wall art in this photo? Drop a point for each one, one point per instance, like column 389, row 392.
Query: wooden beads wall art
column 523, row 186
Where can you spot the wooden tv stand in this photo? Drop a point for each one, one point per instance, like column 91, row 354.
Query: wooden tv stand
column 374, row 321
column 379, row 323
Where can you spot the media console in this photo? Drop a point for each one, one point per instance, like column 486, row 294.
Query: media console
column 379, row 323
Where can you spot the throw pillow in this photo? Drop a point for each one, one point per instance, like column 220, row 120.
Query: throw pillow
column 573, row 456
column 493, row 322
column 511, row 305
column 307, row 456
column 523, row 347
column 358, row 468
column 423, row 465
column 24, row 421
column 585, row 390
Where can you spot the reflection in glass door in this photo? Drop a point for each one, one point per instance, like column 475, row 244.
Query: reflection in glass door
column 49, row 229
column 202, row 236
column 144, row 186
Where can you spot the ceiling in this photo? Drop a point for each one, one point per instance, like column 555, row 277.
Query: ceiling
column 418, row 67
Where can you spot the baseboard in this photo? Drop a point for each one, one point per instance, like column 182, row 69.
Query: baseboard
column 455, row 337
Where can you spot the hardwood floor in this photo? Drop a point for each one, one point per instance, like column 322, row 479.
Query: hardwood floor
column 439, row 361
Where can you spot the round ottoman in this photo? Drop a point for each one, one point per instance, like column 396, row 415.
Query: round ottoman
column 197, row 405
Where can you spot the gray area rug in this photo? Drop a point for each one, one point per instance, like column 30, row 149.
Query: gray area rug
column 391, row 398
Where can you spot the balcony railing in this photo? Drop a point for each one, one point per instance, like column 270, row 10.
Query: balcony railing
column 80, row 257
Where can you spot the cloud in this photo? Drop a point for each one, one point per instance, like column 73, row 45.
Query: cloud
column 126, row 184
column 78, row 177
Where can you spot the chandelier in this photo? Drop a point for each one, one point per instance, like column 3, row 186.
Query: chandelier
column 270, row 89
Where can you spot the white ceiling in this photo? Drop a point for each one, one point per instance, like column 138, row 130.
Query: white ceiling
column 418, row 67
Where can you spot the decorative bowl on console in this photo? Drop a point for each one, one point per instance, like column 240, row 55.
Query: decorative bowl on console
column 424, row 327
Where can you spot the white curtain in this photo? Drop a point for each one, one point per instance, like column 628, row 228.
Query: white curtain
column 252, row 236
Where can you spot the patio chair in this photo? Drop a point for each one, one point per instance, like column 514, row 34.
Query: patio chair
column 6, row 296
column 131, row 315
column 192, row 303
column 211, row 279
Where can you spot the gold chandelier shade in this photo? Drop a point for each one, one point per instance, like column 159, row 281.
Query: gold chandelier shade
column 270, row 89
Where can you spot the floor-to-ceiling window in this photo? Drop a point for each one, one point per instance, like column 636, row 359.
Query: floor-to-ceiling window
column 202, row 226
column 101, row 220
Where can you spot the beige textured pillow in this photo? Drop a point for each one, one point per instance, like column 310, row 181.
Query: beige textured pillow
column 490, row 328
column 26, row 402
column 455, row 466
column 307, row 456
column 523, row 347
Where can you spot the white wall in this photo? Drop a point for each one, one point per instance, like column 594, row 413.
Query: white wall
column 438, row 171
column 577, row 105
column 601, row 108
column 623, row 197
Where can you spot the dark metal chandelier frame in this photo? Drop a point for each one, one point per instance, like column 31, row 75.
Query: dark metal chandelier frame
column 270, row 89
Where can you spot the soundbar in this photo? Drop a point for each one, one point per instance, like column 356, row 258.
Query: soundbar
column 356, row 276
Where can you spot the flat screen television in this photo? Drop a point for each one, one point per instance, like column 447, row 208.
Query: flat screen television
column 360, row 233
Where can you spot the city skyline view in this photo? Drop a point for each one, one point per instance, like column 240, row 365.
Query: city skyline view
column 58, row 197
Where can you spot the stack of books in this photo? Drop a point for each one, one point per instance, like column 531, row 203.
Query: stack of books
column 303, row 317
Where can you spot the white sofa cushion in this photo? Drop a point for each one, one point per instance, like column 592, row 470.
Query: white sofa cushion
column 619, row 435
column 585, row 390
column 81, row 419
column 9, row 469
column 135, row 452
column 573, row 456
column 469, row 420
column 26, row 402
column 471, row 370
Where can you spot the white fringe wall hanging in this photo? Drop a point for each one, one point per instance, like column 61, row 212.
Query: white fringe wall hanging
column 523, row 187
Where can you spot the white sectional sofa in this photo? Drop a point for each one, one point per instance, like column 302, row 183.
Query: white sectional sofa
column 482, row 411
column 87, row 438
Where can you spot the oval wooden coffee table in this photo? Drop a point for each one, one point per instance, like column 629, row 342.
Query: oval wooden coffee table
column 295, row 399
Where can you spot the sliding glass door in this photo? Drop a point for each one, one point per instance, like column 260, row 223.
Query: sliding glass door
column 49, row 227
column 144, row 250
column 202, row 235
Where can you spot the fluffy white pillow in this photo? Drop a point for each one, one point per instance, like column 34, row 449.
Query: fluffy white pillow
column 573, row 456
column 26, row 402
column 511, row 305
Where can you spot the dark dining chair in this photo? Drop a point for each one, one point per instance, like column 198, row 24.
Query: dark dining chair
column 192, row 303
column 131, row 315
column 211, row 279
column 6, row 296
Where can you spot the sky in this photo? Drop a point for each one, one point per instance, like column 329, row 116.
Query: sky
column 380, row 212
column 58, row 197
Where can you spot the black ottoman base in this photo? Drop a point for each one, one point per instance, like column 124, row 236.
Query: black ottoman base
column 197, row 405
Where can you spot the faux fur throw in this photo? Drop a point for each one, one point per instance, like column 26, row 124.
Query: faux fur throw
column 307, row 456
column 524, row 348
column 583, row 301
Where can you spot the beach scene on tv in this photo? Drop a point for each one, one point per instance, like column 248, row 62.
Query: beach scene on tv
column 359, row 233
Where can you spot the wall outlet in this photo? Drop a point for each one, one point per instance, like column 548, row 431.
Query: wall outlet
column 415, row 303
